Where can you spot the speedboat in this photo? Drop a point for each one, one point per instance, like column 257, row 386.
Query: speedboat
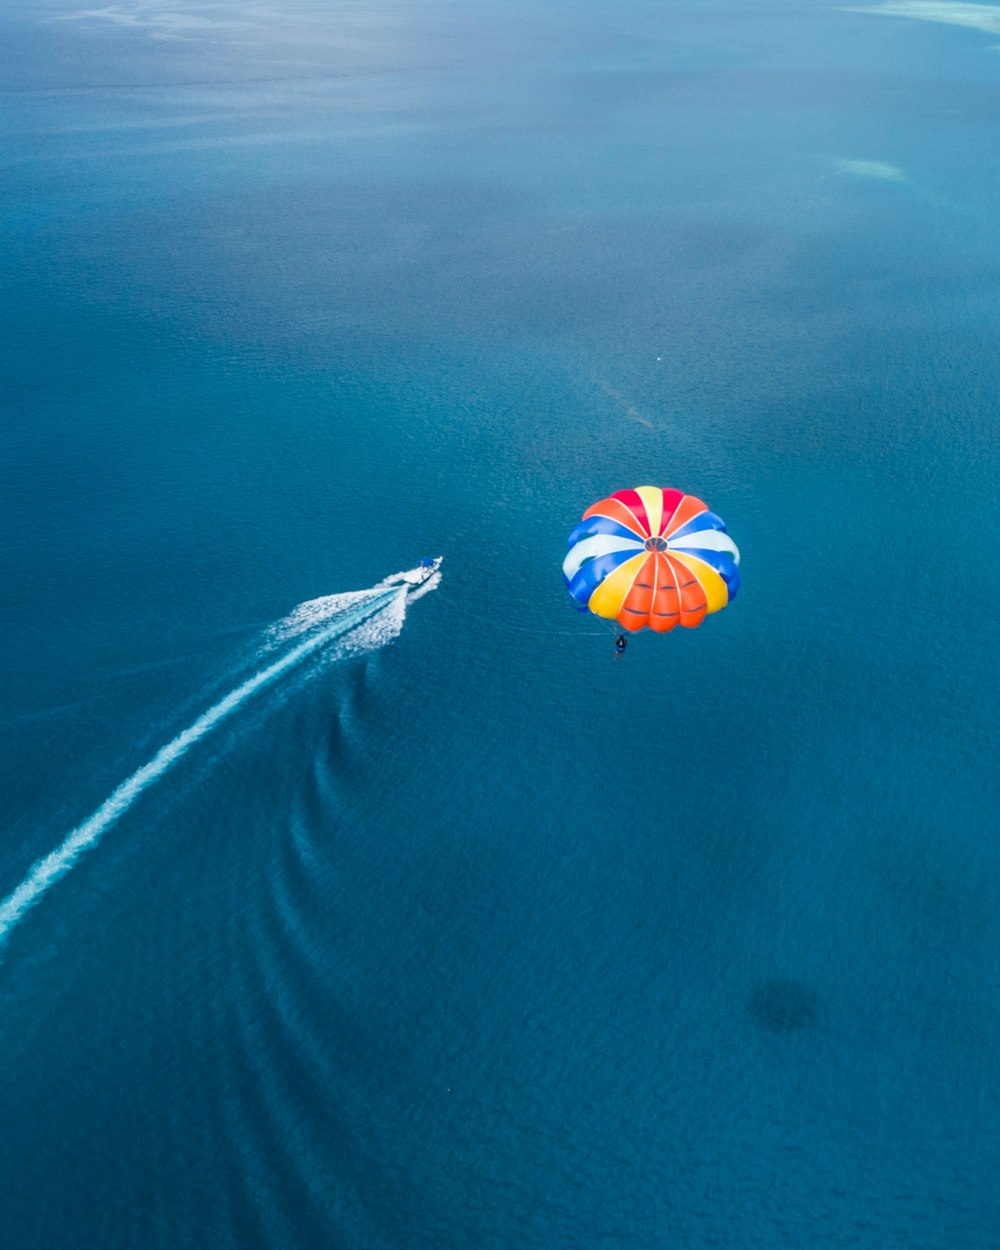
column 424, row 571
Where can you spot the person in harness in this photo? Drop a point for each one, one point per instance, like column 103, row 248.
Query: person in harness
column 621, row 642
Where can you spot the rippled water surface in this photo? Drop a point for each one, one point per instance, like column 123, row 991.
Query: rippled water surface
column 447, row 930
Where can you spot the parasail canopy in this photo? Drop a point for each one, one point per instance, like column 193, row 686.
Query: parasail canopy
column 651, row 558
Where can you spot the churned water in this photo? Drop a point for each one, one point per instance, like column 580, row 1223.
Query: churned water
column 426, row 924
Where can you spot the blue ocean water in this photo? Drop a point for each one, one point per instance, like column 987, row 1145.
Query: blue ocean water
column 467, row 935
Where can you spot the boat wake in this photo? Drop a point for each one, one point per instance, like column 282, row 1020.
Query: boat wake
column 341, row 626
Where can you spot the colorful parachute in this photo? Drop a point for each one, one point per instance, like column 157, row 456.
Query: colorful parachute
column 651, row 557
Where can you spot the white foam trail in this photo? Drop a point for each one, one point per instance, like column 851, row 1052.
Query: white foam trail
column 369, row 619
column 307, row 615
column 431, row 583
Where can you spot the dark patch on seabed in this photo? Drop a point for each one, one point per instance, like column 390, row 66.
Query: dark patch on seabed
column 782, row 1006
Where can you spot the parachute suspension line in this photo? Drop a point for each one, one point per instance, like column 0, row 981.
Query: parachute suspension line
column 525, row 629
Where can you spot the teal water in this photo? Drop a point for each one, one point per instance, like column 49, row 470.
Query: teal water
column 466, row 935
